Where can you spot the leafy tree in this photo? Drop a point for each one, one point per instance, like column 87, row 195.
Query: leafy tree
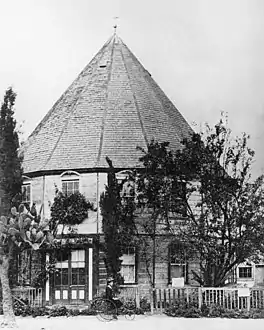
column 202, row 195
column 224, row 226
column 24, row 231
column 10, row 161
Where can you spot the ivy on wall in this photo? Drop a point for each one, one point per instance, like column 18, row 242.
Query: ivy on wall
column 69, row 209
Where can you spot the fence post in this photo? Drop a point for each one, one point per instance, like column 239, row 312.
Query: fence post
column 137, row 297
column 200, row 297
column 248, row 303
column 151, row 300
column 187, row 295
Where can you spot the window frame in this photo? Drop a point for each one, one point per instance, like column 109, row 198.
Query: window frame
column 26, row 184
column 245, row 269
column 181, row 209
column 128, row 264
column 182, row 263
column 65, row 264
column 67, row 178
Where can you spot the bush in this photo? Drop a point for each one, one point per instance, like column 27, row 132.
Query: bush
column 144, row 304
column 185, row 310
column 58, row 310
column 21, row 308
column 182, row 309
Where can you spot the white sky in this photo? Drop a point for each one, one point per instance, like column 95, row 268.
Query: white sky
column 207, row 55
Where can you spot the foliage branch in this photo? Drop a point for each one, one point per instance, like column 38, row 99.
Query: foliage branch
column 69, row 210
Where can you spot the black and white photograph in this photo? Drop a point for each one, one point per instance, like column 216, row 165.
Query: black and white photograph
column 131, row 164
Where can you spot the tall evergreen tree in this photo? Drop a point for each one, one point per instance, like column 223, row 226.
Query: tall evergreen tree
column 10, row 161
column 110, row 204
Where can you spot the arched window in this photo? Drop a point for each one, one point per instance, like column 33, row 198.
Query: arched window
column 70, row 182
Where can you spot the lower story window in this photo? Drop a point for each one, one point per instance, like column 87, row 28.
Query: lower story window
column 128, row 266
column 178, row 267
column 245, row 272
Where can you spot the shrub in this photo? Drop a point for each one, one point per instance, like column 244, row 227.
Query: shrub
column 58, row 310
column 21, row 308
column 184, row 310
column 145, row 304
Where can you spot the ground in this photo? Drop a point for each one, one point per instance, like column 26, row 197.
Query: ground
column 155, row 322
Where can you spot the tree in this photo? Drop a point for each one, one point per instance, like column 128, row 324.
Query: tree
column 155, row 189
column 204, row 197
column 10, row 161
column 118, row 224
column 224, row 226
column 25, row 231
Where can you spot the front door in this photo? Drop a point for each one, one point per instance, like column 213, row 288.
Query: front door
column 70, row 280
column 77, row 277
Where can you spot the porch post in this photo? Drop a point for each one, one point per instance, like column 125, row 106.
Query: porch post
column 90, row 274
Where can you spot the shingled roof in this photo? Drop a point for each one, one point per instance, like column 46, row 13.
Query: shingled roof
column 112, row 107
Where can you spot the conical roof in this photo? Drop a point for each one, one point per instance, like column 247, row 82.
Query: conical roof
column 112, row 107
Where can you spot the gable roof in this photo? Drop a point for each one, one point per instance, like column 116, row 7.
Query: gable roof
column 112, row 107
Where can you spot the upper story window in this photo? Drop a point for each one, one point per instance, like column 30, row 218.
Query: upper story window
column 178, row 195
column 127, row 184
column 70, row 183
column 26, row 191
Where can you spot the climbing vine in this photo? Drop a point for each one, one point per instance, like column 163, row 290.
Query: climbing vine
column 69, row 209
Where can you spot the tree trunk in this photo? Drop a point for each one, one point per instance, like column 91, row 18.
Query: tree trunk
column 9, row 316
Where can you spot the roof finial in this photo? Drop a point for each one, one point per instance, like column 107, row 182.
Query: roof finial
column 115, row 26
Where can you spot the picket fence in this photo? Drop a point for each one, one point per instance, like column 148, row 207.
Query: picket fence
column 230, row 298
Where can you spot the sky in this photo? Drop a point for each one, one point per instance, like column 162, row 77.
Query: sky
column 207, row 55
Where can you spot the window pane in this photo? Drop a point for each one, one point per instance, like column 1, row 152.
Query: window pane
column 78, row 276
column 78, row 255
column 70, row 187
column 58, row 277
column 128, row 273
column 64, row 188
column 177, row 254
column 26, row 193
column 177, row 271
column 75, row 276
column 64, row 276
column 82, row 276
column 76, row 186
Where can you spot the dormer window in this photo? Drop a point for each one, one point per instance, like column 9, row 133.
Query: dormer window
column 70, row 183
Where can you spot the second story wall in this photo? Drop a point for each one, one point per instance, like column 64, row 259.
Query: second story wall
column 41, row 191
